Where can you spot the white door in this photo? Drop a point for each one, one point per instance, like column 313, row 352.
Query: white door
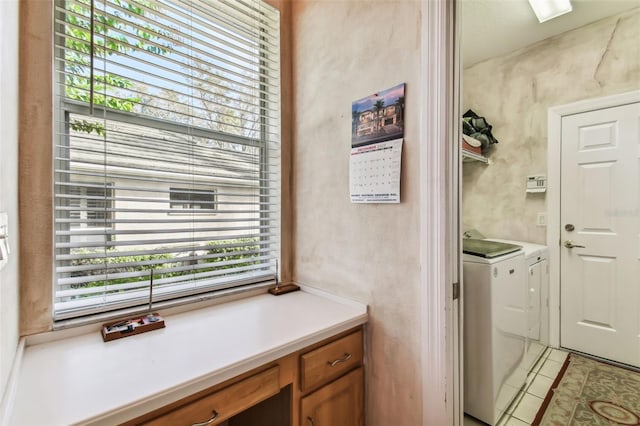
column 600, row 282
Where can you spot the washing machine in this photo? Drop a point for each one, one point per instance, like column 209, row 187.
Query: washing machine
column 495, row 326
column 537, row 258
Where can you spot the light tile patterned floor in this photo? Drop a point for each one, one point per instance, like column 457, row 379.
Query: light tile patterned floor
column 525, row 406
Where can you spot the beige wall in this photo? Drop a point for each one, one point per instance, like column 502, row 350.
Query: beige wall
column 514, row 93
column 9, row 183
column 345, row 50
column 36, row 167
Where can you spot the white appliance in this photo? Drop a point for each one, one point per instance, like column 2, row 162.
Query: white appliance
column 495, row 332
column 537, row 258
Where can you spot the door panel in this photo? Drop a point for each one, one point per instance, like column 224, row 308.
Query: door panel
column 600, row 288
column 598, row 301
column 596, row 181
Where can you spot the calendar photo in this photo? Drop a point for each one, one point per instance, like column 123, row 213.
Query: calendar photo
column 376, row 147
column 378, row 117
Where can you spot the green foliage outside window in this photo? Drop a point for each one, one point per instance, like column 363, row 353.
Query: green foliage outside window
column 232, row 250
column 102, row 38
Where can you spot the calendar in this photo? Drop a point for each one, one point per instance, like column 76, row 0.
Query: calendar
column 377, row 132
column 374, row 172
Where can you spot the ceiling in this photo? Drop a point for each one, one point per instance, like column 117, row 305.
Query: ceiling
column 497, row 27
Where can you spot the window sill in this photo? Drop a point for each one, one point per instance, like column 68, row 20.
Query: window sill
column 84, row 380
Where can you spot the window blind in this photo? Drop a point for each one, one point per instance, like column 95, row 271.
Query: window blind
column 159, row 101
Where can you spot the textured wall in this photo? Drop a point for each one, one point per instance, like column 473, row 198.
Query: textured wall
column 343, row 51
column 515, row 91
column 9, row 183
column 35, row 166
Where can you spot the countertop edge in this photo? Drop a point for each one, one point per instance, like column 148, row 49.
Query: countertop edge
column 175, row 391
column 138, row 408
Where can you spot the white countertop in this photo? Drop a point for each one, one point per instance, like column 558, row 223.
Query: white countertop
column 83, row 380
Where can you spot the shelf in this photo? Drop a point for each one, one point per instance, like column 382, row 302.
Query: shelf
column 468, row 156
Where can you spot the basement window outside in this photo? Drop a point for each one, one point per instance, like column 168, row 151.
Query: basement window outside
column 197, row 200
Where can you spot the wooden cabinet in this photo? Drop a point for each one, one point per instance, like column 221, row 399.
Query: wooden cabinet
column 330, row 361
column 321, row 385
column 334, row 369
column 339, row 403
column 221, row 405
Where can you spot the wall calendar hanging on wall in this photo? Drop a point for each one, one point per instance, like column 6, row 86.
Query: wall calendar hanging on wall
column 377, row 133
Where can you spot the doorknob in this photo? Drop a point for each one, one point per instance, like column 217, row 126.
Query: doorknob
column 569, row 244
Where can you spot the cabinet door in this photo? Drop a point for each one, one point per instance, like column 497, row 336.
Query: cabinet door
column 340, row 403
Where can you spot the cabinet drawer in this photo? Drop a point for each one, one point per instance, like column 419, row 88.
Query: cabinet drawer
column 331, row 360
column 226, row 402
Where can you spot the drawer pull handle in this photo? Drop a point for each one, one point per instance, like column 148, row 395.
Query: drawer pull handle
column 310, row 419
column 208, row 422
column 346, row 357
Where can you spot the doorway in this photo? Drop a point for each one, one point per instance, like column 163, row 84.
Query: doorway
column 515, row 90
column 594, row 164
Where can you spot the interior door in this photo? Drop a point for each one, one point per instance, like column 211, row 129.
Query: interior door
column 600, row 235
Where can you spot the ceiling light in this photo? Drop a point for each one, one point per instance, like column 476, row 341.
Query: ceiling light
column 549, row 9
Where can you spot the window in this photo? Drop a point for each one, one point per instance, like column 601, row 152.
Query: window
column 89, row 205
column 164, row 107
column 193, row 199
column 88, row 210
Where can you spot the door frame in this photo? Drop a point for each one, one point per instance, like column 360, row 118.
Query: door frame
column 554, row 145
column 440, row 126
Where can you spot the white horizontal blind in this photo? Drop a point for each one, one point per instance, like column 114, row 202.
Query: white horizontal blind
column 167, row 149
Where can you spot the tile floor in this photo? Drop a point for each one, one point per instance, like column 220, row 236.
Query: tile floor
column 525, row 406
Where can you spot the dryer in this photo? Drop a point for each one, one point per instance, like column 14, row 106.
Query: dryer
column 495, row 330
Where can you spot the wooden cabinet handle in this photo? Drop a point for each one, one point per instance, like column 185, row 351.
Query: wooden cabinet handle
column 346, row 357
column 310, row 420
column 208, row 422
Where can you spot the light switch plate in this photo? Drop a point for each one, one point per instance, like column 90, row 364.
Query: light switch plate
column 541, row 220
